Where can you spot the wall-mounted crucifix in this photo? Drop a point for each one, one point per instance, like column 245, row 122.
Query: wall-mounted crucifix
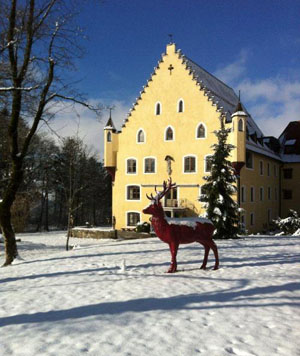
column 170, row 68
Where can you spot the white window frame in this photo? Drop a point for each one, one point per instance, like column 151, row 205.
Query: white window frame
column 183, row 106
column 183, row 163
column 137, row 136
column 165, row 133
column 155, row 165
column 136, row 171
column 133, row 185
column 205, row 136
column 155, row 107
column 126, row 217
column 204, row 168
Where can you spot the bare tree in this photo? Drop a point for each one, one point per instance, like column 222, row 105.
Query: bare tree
column 39, row 41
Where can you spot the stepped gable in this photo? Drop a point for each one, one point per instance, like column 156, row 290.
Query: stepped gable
column 218, row 92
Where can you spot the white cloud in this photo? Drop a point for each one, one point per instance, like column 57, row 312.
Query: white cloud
column 272, row 102
column 70, row 120
column 230, row 72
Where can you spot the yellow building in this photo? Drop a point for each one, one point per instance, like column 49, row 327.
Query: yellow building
column 169, row 132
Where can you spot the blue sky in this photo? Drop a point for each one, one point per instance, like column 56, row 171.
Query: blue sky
column 251, row 45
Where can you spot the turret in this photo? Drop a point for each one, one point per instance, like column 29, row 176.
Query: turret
column 110, row 147
column 238, row 137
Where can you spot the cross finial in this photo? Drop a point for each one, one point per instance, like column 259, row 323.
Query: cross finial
column 110, row 110
column 170, row 68
column 171, row 37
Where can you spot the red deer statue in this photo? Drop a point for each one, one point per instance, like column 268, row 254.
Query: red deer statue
column 180, row 231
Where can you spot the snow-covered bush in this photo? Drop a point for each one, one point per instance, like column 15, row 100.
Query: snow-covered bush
column 143, row 227
column 288, row 225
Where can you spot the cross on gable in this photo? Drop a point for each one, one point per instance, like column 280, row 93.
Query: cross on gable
column 170, row 68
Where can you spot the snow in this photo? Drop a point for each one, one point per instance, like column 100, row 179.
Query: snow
column 112, row 297
column 191, row 222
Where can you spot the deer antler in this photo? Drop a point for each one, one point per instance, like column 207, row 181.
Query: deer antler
column 167, row 186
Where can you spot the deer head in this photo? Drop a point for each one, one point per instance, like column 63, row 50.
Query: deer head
column 155, row 207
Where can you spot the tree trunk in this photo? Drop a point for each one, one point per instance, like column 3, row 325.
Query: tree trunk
column 11, row 251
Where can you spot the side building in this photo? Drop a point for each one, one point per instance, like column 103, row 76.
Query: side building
column 169, row 132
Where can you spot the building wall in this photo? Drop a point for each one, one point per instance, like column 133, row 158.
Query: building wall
column 257, row 178
column 167, row 89
column 293, row 185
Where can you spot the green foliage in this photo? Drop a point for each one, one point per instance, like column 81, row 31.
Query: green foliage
column 290, row 224
column 217, row 193
column 143, row 227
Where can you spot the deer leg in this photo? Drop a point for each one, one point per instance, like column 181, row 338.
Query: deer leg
column 214, row 247
column 207, row 248
column 173, row 250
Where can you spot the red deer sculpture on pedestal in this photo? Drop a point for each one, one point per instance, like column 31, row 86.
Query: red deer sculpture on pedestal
column 180, row 231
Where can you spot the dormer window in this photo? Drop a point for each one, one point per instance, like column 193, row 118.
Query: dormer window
column 169, row 135
column 241, row 125
column 141, row 136
column 201, row 131
column 108, row 137
column 180, row 107
column 157, row 108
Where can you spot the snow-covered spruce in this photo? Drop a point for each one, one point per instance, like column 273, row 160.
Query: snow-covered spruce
column 221, row 209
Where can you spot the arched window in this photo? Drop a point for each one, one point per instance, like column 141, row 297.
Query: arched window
column 141, row 136
column 201, row 131
column 108, row 137
column 241, row 125
column 157, row 109
column 180, row 106
column 169, row 136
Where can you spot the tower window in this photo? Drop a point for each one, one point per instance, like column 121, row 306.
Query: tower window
column 108, row 137
column 201, row 131
column 169, row 134
column 241, row 125
column 180, row 106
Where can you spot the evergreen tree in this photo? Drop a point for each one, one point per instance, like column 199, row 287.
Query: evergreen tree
column 217, row 193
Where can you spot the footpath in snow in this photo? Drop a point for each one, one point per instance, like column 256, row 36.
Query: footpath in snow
column 108, row 297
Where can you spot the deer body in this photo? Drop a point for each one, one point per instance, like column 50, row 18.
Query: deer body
column 181, row 231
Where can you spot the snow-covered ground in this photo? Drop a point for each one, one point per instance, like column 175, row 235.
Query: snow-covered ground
column 109, row 297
